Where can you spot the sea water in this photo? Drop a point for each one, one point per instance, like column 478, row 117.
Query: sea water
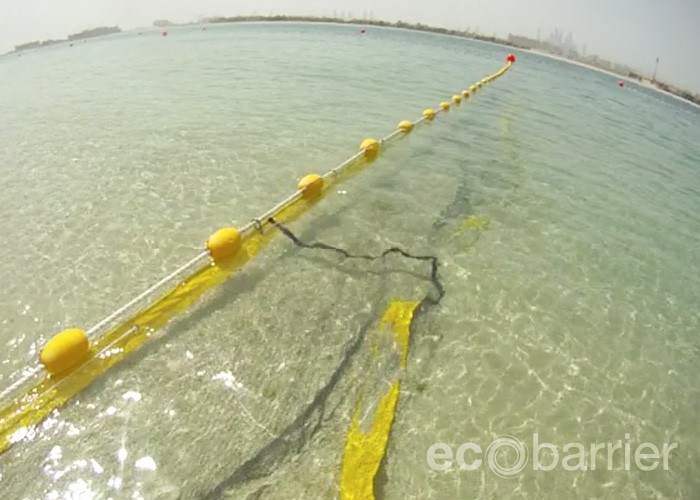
column 563, row 211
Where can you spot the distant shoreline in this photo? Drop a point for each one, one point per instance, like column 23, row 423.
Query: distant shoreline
column 357, row 22
column 644, row 82
column 91, row 33
column 669, row 90
column 676, row 93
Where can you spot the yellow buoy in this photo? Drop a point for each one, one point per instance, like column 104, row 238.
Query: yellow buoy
column 429, row 114
column 65, row 351
column 445, row 105
column 311, row 184
column 457, row 98
column 370, row 147
column 224, row 243
column 465, row 94
column 472, row 88
column 405, row 125
column 479, row 85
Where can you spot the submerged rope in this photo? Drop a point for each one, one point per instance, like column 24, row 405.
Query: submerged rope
column 365, row 448
column 434, row 262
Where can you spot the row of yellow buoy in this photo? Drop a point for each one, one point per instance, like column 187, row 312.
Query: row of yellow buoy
column 70, row 347
column 227, row 250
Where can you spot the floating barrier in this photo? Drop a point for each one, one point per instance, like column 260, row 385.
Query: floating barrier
column 72, row 359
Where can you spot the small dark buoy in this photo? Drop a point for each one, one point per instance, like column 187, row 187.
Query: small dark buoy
column 621, row 83
column 510, row 58
column 362, row 30
column 165, row 33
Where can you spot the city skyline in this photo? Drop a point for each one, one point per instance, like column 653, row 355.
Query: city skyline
column 634, row 36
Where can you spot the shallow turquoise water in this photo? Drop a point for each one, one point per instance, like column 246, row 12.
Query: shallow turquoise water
column 572, row 315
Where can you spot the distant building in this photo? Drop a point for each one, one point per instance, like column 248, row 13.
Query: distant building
column 572, row 54
column 552, row 49
column 622, row 69
column 162, row 23
column 605, row 64
column 523, row 42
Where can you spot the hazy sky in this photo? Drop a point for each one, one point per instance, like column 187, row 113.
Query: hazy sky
column 632, row 32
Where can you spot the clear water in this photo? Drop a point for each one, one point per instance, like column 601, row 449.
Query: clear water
column 573, row 314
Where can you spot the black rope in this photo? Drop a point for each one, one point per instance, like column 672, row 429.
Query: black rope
column 434, row 262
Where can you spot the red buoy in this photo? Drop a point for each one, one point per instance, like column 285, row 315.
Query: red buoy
column 510, row 58
column 362, row 30
column 621, row 83
column 165, row 33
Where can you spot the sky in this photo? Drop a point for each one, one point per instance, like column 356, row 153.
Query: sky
column 632, row 32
